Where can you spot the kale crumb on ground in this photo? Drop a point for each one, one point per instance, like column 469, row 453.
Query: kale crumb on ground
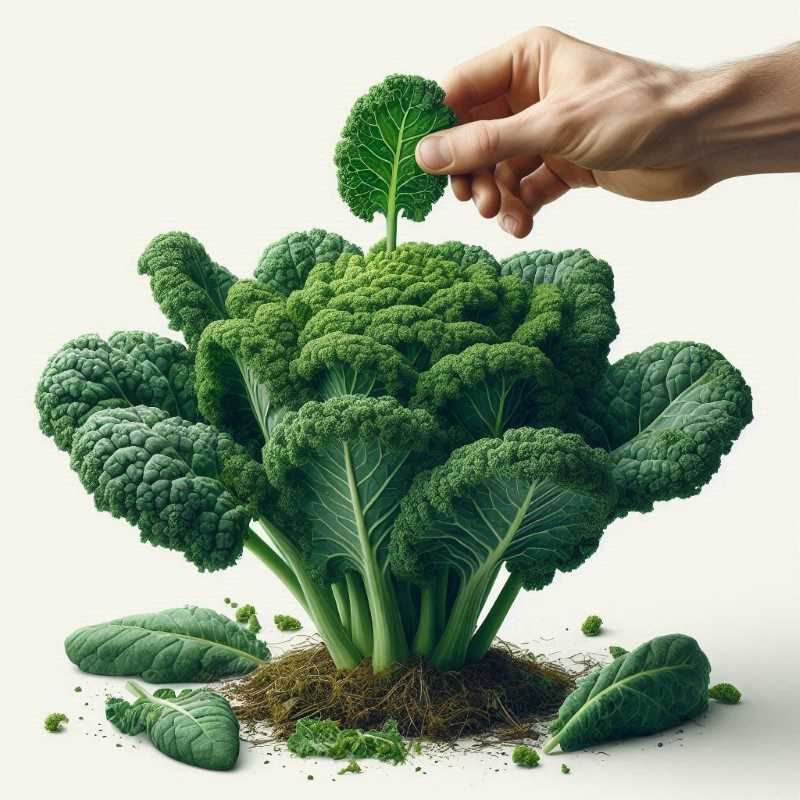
column 285, row 622
column 53, row 722
column 565, row 769
column 592, row 625
column 525, row 756
column 725, row 693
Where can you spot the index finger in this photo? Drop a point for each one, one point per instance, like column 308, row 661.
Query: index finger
column 481, row 79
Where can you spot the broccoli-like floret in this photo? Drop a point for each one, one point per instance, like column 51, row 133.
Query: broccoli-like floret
column 243, row 613
column 616, row 651
column 565, row 769
column 525, row 756
column 592, row 625
column 53, row 722
column 253, row 625
column 284, row 622
column 725, row 693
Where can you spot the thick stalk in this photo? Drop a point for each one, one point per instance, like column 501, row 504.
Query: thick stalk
column 391, row 227
column 339, row 589
column 318, row 605
column 440, row 599
column 484, row 636
column 360, row 622
column 259, row 548
column 388, row 636
column 451, row 649
column 409, row 612
column 425, row 637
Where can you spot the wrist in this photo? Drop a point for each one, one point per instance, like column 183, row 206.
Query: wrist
column 745, row 118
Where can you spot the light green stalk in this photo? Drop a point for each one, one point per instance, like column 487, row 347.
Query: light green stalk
column 360, row 622
column 484, row 636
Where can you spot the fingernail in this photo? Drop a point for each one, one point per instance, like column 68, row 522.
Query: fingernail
column 509, row 224
column 435, row 152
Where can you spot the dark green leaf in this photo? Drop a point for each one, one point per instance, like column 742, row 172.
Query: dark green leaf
column 179, row 645
column 657, row 685
column 322, row 737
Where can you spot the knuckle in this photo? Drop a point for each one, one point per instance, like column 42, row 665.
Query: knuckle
column 487, row 139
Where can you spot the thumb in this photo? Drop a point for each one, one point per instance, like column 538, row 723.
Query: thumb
column 484, row 143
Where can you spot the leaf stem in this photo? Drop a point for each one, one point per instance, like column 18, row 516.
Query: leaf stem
column 484, row 636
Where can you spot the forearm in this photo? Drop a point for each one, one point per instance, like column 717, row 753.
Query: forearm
column 746, row 116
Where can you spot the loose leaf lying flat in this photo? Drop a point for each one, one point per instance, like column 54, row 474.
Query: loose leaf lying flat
column 179, row 645
column 197, row 726
column 657, row 685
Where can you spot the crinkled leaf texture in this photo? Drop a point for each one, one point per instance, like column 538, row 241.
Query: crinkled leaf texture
column 179, row 645
column 163, row 474
column 132, row 368
column 196, row 726
column 667, row 415
column 375, row 160
column 323, row 737
column 659, row 684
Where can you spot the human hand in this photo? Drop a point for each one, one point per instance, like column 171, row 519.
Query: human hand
column 545, row 113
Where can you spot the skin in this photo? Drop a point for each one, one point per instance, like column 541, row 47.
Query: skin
column 545, row 113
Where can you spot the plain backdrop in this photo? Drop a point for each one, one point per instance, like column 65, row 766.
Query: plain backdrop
column 125, row 119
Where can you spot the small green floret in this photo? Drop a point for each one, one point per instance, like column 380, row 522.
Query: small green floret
column 227, row 601
column 285, row 622
column 617, row 651
column 565, row 769
column 253, row 625
column 592, row 625
column 351, row 767
column 234, row 605
column 243, row 613
column 53, row 722
column 525, row 756
column 725, row 693
column 78, row 689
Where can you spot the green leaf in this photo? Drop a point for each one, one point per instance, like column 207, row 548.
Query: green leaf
column 536, row 499
column 285, row 264
column 189, row 287
column 132, row 368
column 659, row 684
column 668, row 415
column 164, row 475
column 179, row 645
column 573, row 320
column 322, row 737
column 196, row 726
column 375, row 161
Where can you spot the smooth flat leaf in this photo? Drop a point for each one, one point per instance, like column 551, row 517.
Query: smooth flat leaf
column 179, row 645
column 659, row 684
column 196, row 726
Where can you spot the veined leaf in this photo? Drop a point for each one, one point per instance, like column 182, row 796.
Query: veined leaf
column 657, row 685
column 132, row 368
column 377, row 169
column 668, row 415
column 196, row 726
column 179, row 645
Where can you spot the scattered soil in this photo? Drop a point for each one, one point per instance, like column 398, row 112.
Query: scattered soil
column 505, row 694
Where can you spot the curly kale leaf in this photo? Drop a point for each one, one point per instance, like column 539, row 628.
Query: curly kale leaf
column 324, row 737
column 189, row 287
column 175, row 480
column 132, row 368
column 375, row 161
column 285, row 264
column 667, row 415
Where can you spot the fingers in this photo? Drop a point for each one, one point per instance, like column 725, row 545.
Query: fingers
column 462, row 187
column 486, row 193
column 553, row 179
column 514, row 217
column 484, row 143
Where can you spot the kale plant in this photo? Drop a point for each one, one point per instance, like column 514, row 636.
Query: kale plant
column 391, row 433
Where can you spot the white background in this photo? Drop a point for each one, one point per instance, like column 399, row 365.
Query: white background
column 122, row 120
